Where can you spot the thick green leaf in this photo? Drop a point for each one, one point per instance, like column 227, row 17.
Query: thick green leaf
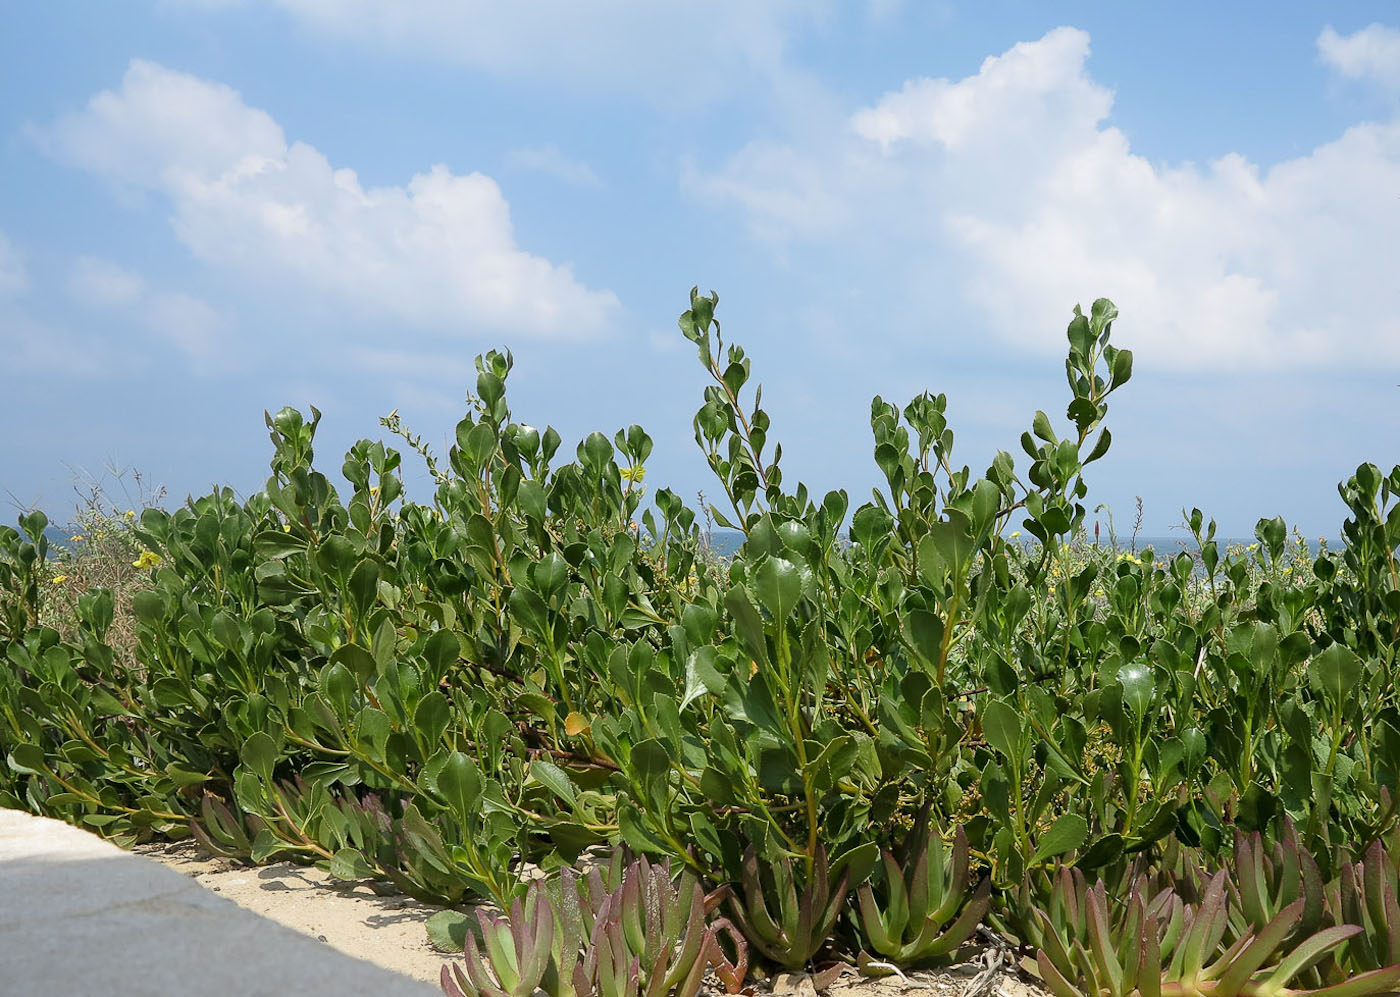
column 1002, row 725
column 1138, row 688
column 363, row 586
column 925, row 631
column 459, row 782
column 555, row 779
column 778, row 584
column 1334, row 673
column 748, row 624
column 432, row 717
column 1069, row 832
column 448, row 930
column 27, row 759
column 259, row 753
column 349, row 863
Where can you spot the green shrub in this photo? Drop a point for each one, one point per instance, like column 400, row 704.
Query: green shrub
column 534, row 664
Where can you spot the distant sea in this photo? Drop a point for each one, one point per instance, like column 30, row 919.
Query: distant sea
column 727, row 543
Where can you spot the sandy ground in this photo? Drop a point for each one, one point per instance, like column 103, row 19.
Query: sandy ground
column 388, row 930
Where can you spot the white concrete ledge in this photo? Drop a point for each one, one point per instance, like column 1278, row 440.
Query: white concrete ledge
column 80, row 916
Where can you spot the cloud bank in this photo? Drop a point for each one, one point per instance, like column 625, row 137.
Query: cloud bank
column 1371, row 54
column 438, row 253
column 681, row 50
column 1015, row 179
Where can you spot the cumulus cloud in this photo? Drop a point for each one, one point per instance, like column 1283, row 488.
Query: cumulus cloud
column 14, row 277
column 438, row 252
column 684, row 50
column 1373, row 54
column 1013, row 181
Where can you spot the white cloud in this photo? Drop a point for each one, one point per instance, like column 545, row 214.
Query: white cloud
column 102, row 283
column 1039, row 83
column 14, row 277
column 1011, row 183
column 437, row 253
column 184, row 321
column 1372, row 53
column 548, row 159
column 189, row 324
column 786, row 191
column 679, row 50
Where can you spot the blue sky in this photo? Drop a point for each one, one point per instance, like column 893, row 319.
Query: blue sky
column 216, row 207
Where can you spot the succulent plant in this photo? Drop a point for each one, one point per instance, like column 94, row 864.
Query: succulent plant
column 805, row 918
column 927, row 909
column 1364, row 894
column 518, row 950
column 1157, row 945
column 648, row 936
column 1265, row 881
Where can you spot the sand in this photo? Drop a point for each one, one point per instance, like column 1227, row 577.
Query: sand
column 388, row 930
column 385, row 930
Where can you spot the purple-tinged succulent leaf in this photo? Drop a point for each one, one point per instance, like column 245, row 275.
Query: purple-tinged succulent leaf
column 805, row 920
column 730, row 973
column 1101, row 941
column 1368, row 984
column 1307, row 953
column 1260, row 947
column 693, row 946
column 496, row 934
column 871, row 922
column 453, row 982
column 1149, row 972
column 1054, row 979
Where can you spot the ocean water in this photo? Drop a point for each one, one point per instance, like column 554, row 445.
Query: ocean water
column 726, row 543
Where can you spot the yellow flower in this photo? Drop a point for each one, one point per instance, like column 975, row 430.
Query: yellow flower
column 374, row 489
column 148, row 559
column 76, row 538
column 1099, row 593
column 634, row 473
column 1015, row 534
column 59, row 579
column 130, row 514
column 286, row 527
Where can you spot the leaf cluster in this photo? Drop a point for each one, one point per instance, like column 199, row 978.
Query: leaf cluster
column 878, row 722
